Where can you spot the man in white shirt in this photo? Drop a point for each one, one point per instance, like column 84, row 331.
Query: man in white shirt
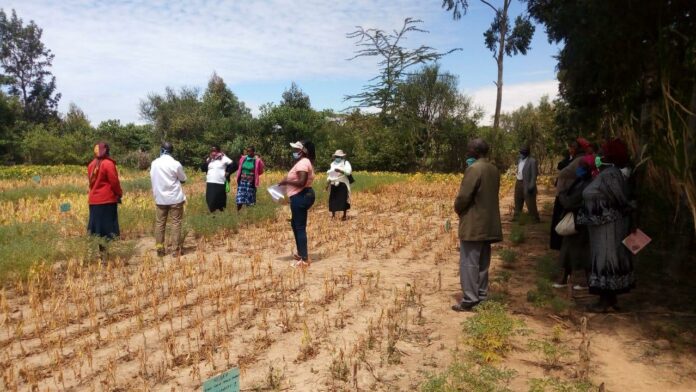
column 167, row 175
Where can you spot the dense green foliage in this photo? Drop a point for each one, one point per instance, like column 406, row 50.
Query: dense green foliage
column 424, row 122
column 628, row 69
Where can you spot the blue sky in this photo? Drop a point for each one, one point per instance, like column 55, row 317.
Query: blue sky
column 111, row 54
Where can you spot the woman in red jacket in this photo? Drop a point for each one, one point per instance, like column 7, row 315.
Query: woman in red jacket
column 104, row 194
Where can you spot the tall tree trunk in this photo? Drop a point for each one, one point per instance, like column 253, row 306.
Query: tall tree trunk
column 499, row 60
column 499, row 94
column 690, row 183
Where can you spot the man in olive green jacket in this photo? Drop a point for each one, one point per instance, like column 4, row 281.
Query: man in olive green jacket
column 478, row 207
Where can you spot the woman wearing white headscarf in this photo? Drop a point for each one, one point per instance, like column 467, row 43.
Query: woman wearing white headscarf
column 338, row 181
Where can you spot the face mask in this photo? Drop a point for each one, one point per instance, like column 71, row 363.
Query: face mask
column 580, row 172
column 598, row 161
column 470, row 161
column 338, row 160
column 296, row 155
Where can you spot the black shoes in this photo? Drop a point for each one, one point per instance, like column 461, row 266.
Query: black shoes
column 469, row 307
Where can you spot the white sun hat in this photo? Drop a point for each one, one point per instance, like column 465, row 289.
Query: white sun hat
column 297, row 145
column 340, row 154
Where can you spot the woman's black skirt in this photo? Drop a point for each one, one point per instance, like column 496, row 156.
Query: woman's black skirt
column 338, row 198
column 215, row 196
column 103, row 220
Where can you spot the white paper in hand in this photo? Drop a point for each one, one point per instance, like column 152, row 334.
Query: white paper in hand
column 277, row 192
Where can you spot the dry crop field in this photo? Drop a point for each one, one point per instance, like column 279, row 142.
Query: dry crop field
column 371, row 313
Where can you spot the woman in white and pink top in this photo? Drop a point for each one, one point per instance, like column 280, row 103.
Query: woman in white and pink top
column 298, row 185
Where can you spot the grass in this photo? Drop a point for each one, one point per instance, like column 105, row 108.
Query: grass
column 42, row 192
column 544, row 294
column 488, row 333
column 517, row 234
column 45, row 235
column 551, row 351
column 508, row 256
column 552, row 384
column 23, row 245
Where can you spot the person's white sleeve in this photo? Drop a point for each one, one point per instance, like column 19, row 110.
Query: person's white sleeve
column 180, row 173
column 152, row 181
column 348, row 169
column 226, row 160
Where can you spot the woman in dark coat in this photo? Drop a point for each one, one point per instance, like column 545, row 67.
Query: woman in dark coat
column 575, row 249
column 566, row 176
column 606, row 212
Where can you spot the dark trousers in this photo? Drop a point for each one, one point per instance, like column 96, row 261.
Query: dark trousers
column 523, row 197
column 299, row 206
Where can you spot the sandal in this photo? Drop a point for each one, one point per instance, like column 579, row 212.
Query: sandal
column 301, row 264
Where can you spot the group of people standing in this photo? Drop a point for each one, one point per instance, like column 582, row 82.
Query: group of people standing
column 219, row 169
column 592, row 190
column 167, row 176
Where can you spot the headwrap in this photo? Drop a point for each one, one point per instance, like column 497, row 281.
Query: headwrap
column 584, row 144
column 589, row 162
column 616, row 152
column 101, row 152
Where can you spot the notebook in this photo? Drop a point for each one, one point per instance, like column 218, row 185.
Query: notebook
column 635, row 242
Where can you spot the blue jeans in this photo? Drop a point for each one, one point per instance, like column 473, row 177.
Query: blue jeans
column 299, row 206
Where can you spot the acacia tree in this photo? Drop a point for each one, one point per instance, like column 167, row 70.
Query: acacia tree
column 500, row 39
column 428, row 101
column 294, row 97
column 26, row 62
column 395, row 59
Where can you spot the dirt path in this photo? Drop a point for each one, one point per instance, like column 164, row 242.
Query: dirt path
column 623, row 356
column 371, row 313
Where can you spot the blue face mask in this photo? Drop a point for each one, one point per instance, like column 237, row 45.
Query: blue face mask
column 337, row 160
column 581, row 172
column 470, row 161
column 296, row 155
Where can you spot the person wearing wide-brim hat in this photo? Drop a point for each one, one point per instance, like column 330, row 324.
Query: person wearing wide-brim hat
column 338, row 183
column 298, row 188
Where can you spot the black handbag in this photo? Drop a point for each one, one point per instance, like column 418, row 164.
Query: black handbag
column 350, row 178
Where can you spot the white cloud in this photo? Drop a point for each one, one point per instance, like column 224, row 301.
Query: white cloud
column 108, row 52
column 514, row 96
column 111, row 54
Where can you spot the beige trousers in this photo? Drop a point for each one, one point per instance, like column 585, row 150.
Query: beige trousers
column 176, row 211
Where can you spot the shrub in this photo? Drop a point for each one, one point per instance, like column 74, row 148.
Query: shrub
column 517, row 234
column 508, row 256
column 557, row 385
column 490, row 330
column 465, row 376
